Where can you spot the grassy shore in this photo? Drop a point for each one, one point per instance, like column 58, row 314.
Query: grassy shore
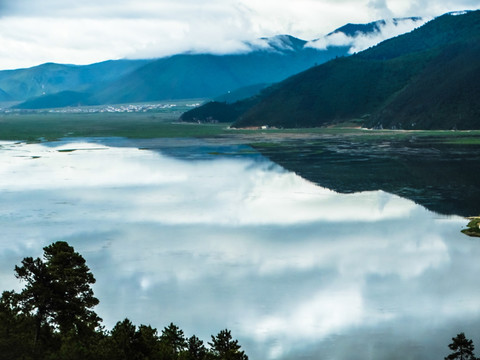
column 473, row 227
column 40, row 126
column 50, row 126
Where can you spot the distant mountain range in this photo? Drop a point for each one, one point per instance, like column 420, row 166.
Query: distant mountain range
column 353, row 30
column 180, row 76
column 426, row 79
column 50, row 78
column 268, row 60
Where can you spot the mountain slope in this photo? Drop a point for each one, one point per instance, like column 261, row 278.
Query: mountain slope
column 369, row 28
column 382, row 80
column 207, row 75
column 444, row 96
column 241, row 93
column 52, row 78
column 61, row 99
column 175, row 77
column 268, row 60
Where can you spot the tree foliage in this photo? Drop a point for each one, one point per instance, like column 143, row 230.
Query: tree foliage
column 172, row 341
column 53, row 313
column 52, row 318
column 58, row 290
column 15, row 328
column 224, row 347
column 196, row 350
column 462, row 348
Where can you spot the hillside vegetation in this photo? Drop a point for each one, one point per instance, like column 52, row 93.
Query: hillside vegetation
column 426, row 79
column 207, row 76
column 181, row 76
column 50, row 78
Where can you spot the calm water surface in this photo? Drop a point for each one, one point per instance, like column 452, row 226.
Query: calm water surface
column 210, row 237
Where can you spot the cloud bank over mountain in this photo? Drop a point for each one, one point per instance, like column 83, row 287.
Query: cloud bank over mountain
column 360, row 41
column 68, row 31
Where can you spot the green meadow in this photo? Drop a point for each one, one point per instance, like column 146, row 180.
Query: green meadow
column 46, row 126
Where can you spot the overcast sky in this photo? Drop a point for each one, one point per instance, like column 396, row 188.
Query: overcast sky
column 81, row 32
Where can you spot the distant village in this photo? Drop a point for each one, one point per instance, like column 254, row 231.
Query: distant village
column 125, row 108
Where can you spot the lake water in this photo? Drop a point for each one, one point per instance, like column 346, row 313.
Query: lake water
column 212, row 237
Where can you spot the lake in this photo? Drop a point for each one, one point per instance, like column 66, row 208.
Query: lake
column 212, row 236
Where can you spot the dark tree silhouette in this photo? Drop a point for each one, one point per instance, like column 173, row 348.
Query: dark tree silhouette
column 462, row 348
column 15, row 329
column 223, row 347
column 52, row 319
column 57, row 292
column 123, row 341
column 196, row 350
column 147, row 342
column 127, row 342
column 172, row 341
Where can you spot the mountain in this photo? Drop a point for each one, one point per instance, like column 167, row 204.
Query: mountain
column 180, row 76
column 353, row 30
column 269, row 60
column 206, row 75
column 428, row 78
column 61, row 99
column 443, row 96
column 50, row 78
column 4, row 96
column 265, row 61
column 223, row 112
column 241, row 93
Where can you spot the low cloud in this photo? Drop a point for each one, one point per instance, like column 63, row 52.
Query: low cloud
column 67, row 31
column 381, row 8
column 361, row 41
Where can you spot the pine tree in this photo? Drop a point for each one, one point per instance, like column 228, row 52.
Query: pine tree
column 196, row 350
column 223, row 347
column 462, row 348
column 172, row 342
column 58, row 293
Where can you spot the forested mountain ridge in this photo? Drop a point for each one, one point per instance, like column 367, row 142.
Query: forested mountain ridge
column 428, row 78
column 51, row 78
column 206, row 75
column 444, row 96
column 369, row 28
column 180, row 76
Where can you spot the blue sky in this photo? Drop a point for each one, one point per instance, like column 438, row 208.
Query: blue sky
column 66, row 31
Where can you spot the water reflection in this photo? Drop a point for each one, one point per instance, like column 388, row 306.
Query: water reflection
column 438, row 175
column 293, row 269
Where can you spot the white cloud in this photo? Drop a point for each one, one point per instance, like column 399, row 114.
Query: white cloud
column 260, row 195
column 33, row 32
column 381, row 8
column 322, row 314
column 362, row 41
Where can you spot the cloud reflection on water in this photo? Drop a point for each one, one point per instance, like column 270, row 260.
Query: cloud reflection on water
column 243, row 244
